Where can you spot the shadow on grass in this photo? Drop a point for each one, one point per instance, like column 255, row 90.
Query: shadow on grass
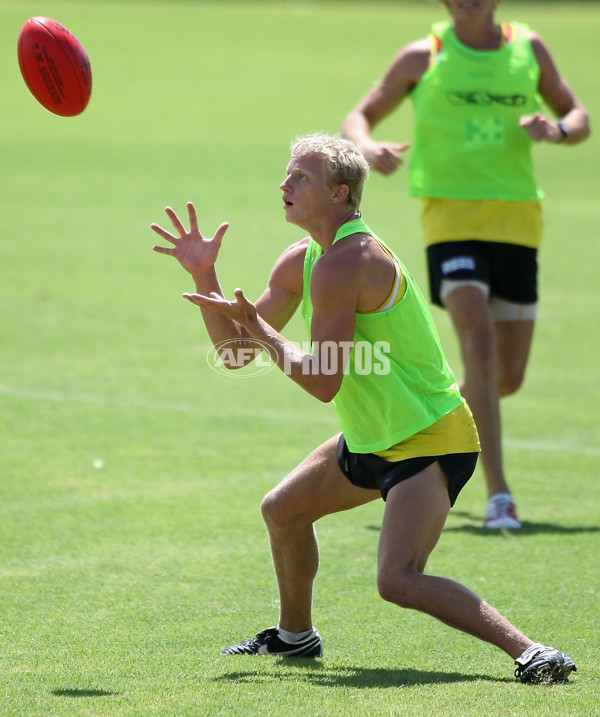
column 83, row 693
column 357, row 677
column 528, row 528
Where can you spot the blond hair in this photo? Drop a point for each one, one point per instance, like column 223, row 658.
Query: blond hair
column 344, row 161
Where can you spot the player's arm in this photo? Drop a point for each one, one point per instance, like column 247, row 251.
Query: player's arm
column 400, row 78
column 279, row 301
column 275, row 306
column 561, row 99
column 197, row 254
column 334, row 294
column 335, row 288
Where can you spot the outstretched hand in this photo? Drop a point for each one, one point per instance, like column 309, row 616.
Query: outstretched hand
column 195, row 252
column 239, row 310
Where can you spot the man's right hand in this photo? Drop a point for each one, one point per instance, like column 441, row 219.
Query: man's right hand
column 196, row 253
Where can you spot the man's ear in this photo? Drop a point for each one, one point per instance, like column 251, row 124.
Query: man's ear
column 340, row 193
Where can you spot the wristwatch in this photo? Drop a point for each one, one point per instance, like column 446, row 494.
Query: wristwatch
column 564, row 131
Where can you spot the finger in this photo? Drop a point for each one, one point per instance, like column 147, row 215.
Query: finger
column 220, row 233
column 391, row 157
column 197, row 299
column 219, row 304
column 242, row 301
column 525, row 119
column 388, row 165
column 175, row 221
column 394, row 150
column 163, row 250
column 193, row 217
column 214, row 298
column 163, row 233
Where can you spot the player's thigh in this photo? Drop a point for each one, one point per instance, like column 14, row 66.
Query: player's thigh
column 471, row 317
column 415, row 513
column 316, row 487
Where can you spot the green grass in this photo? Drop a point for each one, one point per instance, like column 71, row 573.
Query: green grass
column 119, row 583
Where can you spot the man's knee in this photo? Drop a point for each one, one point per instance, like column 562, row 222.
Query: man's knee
column 271, row 509
column 397, row 586
column 509, row 381
column 280, row 512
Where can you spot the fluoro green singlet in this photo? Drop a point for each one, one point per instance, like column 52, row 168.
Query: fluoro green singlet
column 397, row 379
column 467, row 140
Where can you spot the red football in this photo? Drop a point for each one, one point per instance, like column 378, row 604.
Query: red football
column 55, row 66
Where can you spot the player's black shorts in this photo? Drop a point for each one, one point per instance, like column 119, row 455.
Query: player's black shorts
column 367, row 470
column 509, row 270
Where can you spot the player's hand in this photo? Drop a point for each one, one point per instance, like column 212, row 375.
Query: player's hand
column 385, row 157
column 195, row 252
column 239, row 310
column 540, row 128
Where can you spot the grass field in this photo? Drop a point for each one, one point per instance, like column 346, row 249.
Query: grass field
column 131, row 545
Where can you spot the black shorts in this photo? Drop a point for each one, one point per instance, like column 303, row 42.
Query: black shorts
column 367, row 470
column 509, row 270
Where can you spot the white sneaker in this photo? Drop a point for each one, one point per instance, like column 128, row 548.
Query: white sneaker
column 500, row 512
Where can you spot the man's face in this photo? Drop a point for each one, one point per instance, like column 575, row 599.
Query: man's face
column 306, row 194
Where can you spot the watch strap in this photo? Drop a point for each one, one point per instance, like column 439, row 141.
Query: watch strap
column 564, row 130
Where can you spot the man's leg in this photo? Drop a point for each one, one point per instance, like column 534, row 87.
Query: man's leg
column 317, row 487
column 415, row 513
column 474, row 326
column 513, row 341
column 414, row 516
